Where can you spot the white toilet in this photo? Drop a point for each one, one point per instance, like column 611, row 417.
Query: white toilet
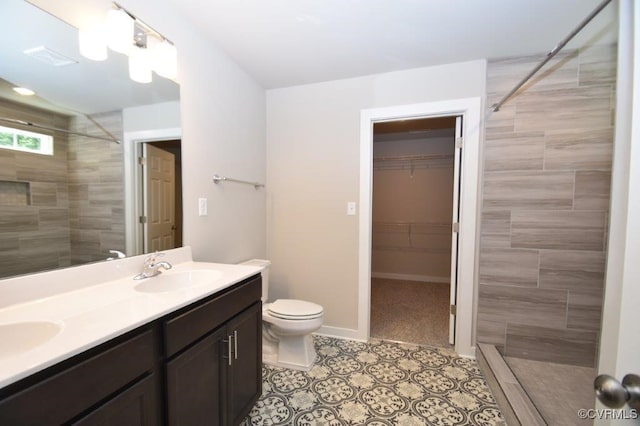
column 287, row 325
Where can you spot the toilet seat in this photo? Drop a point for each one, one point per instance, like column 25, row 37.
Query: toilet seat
column 292, row 309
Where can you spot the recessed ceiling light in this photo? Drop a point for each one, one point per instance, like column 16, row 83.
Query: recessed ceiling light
column 24, row 91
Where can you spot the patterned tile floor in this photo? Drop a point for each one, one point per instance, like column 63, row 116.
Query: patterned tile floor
column 378, row 383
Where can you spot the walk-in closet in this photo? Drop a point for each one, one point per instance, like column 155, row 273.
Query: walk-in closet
column 413, row 199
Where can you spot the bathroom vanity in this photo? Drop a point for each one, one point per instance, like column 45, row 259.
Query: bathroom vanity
column 134, row 353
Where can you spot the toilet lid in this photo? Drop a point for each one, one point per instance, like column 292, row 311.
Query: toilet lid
column 294, row 309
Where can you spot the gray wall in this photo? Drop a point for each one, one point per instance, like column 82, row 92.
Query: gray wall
column 547, row 170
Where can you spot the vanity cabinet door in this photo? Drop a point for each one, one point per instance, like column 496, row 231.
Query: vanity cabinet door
column 194, row 381
column 137, row 406
column 244, row 379
column 71, row 389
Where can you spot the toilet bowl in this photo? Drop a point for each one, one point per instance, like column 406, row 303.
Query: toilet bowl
column 287, row 325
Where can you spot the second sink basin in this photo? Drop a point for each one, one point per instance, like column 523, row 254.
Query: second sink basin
column 174, row 281
column 19, row 337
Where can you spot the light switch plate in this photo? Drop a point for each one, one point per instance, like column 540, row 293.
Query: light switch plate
column 202, row 207
column 351, row 208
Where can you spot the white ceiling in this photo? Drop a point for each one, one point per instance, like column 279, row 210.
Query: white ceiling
column 289, row 42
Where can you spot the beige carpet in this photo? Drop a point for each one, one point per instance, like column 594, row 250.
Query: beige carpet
column 410, row 311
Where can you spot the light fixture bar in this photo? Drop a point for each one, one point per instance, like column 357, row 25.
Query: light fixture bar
column 146, row 27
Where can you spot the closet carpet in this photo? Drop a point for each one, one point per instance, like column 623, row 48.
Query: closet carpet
column 378, row 384
column 410, row 311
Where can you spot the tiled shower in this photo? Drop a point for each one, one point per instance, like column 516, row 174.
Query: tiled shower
column 63, row 209
column 546, row 185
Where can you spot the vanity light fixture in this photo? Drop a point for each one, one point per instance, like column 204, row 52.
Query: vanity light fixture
column 122, row 32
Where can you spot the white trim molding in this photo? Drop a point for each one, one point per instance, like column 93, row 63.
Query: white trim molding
column 470, row 109
column 341, row 333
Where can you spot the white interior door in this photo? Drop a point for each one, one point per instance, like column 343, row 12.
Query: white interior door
column 457, row 158
column 159, row 199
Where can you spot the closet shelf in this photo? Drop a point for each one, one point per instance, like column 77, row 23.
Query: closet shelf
column 412, row 228
column 411, row 162
column 414, row 237
column 412, row 249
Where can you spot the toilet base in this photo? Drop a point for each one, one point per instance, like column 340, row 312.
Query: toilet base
column 295, row 352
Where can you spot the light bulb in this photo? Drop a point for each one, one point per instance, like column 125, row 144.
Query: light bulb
column 164, row 57
column 139, row 65
column 92, row 43
column 119, row 28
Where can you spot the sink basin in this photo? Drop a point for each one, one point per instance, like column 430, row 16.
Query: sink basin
column 19, row 337
column 174, row 281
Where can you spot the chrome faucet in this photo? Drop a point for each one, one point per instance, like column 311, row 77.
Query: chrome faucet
column 118, row 253
column 152, row 267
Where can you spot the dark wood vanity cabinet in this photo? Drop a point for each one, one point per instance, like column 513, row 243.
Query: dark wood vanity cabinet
column 199, row 365
column 110, row 384
column 216, row 378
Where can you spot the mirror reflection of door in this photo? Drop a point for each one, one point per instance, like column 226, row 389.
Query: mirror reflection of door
column 162, row 201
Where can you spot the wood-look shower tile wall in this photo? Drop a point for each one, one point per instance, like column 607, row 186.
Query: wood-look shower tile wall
column 96, row 189
column 547, row 168
column 74, row 211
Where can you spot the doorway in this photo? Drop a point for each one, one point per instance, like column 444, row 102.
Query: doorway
column 415, row 193
column 467, row 237
column 161, row 195
column 133, row 146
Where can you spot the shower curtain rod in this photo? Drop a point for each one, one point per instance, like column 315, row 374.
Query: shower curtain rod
column 496, row 107
column 57, row 129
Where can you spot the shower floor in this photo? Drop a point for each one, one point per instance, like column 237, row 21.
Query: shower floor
column 410, row 311
column 557, row 390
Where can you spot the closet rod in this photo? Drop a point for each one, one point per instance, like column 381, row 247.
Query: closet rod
column 496, row 107
column 57, row 129
column 217, row 179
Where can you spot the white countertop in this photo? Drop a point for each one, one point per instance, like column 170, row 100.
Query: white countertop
column 95, row 312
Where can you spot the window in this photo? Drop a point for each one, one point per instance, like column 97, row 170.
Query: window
column 21, row 140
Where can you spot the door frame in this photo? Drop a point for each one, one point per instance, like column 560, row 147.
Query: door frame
column 470, row 109
column 133, row 182
column 619, row 347
column 147, row 197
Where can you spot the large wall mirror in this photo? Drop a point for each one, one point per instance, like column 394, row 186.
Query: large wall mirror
column 65, row 206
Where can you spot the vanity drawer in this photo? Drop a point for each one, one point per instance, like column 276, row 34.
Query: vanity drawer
column 66, row 394
column 195, row 322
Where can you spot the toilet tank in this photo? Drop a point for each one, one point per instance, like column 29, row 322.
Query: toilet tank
column 264, row 270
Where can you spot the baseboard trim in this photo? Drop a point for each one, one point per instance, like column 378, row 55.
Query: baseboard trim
column 410, row 277
column 341, row 333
